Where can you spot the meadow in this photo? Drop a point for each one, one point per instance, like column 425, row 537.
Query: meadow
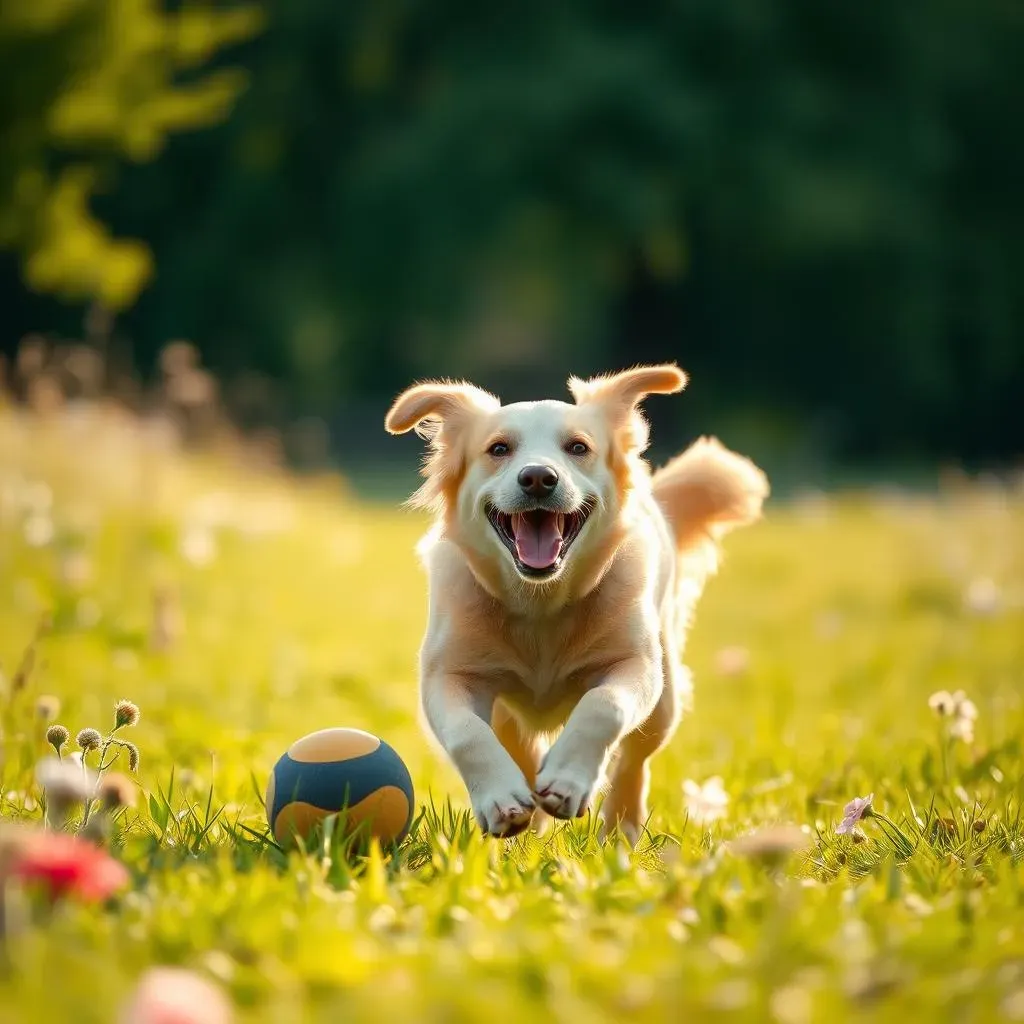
column 241, row 608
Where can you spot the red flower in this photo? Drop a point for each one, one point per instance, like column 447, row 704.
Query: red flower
column 66, row 865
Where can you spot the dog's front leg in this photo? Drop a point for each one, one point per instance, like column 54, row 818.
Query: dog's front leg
column 459, row 713
column 620, row 702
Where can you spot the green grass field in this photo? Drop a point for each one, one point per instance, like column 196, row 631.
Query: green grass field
column 242, row 611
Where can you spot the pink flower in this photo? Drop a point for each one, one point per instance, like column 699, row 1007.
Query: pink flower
column 853, row 812
column 66, row 865
column 173, row 995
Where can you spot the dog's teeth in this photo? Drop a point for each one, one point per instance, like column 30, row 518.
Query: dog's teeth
column 560, row 522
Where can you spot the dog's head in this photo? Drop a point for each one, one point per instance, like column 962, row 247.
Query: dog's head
column 531, row 487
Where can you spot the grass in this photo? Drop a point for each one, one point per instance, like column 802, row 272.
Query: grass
column 241, row 611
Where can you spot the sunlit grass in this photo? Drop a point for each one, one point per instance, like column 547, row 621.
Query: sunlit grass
column 242, row 611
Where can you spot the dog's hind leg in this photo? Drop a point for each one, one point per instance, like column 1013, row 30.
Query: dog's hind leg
column 625, row 805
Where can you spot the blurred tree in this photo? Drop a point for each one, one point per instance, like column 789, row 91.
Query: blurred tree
column 88, row 82
column 814, row 208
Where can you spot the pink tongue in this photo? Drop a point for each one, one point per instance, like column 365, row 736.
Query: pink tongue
column 538, row 540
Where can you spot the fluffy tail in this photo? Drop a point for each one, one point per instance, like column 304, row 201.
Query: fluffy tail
column 707, row 491
column 704, row 493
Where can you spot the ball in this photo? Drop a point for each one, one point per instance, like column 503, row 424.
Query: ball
column 335, row 771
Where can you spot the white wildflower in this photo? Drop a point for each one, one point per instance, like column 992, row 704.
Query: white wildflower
column 705, row 802
column 959, row 709
column 962, row 729
column 964, row 708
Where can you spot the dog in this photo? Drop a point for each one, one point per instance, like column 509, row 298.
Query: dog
column 563, row 575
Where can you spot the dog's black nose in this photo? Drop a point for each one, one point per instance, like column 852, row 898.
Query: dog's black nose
column 538, row 481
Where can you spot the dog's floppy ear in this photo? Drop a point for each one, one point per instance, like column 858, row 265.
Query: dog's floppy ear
column 426, row 407
column 622, row 392
column 436, row 410
column 619, row 394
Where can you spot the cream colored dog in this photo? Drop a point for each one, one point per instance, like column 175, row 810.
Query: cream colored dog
column 562, row 579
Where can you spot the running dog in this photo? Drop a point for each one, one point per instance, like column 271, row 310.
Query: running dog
column 563, row 577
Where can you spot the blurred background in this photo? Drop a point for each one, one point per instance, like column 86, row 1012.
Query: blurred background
column 287, row 211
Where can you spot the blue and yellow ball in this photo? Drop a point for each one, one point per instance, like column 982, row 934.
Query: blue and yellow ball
column 340, row 771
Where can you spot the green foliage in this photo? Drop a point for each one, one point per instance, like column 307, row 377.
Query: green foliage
column 815, row 653
column 88, row 83
column 815, row 209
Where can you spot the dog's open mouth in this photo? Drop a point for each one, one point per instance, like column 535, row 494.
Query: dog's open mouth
column 539, row 539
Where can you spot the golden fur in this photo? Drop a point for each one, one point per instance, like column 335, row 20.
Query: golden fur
column 541, row 689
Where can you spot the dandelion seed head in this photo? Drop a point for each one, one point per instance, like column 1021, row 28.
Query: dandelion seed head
column 57, row 736
column 126, row 714
column 89, row 739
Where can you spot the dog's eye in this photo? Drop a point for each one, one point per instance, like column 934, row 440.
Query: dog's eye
column 499, row 449
column 577, row 448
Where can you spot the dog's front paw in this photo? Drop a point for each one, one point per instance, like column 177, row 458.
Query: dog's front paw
column 565, row 792
column 503, row 810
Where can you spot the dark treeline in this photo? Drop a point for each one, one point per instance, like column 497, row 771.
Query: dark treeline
column 817, row 209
